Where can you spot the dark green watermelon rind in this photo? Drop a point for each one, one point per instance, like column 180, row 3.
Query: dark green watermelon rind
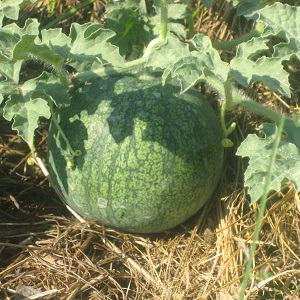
column 151, row 157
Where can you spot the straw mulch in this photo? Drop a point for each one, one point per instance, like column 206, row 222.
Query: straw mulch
column 46, row 253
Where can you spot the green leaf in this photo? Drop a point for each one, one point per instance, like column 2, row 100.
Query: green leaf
column 29, row 47
column 210, row 56
column 188, row 66
column 32, row 103
column 7, row 87
column 178, row 11
column 132, row 29
column 57, row 41
column 11, row 34
column 287, row 164
column 1, row 19
column 167, row 54
column 46, row 86
column 292, row 132
column 25, row 114
column 23, row 43
column 267, row 70
column 249, row 7
column 10, row 70
column 10, row 8
column 10, row 84
column 252, row 48
column 8, row 39
column 283, row 20
column 254, row 61
column 115, row 5
column 90, row 47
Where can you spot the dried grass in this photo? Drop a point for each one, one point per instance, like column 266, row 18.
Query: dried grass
column 43, row 247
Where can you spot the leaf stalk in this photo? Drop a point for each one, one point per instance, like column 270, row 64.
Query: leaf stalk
column 163, row 20
column 262, row 207
column 71, row 154
column 256, row 32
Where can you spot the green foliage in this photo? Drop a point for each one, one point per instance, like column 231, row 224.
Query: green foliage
column 10, row 9
column 133, row 42
column 128, row 19
column 155, row 39
column 190, row 63
column 250, row 7
column 287, row 161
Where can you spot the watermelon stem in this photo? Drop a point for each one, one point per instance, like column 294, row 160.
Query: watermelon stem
column 257, row 108
column 61, row 73
column 256, row 32
column 226, row 142
column 163, row 20
column 71, row 154
column 112, row 71
column 234, row 97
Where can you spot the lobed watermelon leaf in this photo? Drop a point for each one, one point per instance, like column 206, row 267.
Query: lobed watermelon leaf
column 132, row 30
column 29, row 48
column 189, row 63
column 255, row 61
column 177, row 11
column 25, row 113
column 57, row 41
column 31, row 103
column 11, row 9
column 287, row 164
column 284, row 21
column 268, row 70
column 170, row 51
column 86, row 46
column 90, row 47
column 248, row 8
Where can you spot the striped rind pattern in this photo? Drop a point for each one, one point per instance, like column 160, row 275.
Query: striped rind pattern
column 151, row 157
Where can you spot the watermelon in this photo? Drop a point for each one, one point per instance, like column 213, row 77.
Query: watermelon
column 151, row 157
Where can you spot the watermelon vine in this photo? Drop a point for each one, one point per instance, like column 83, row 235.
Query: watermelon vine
column 180, row 61
column 93, row 52
column 189, row 61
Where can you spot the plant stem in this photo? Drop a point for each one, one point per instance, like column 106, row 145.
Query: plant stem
column 257, row 108
column 190, row 21
column 111, row 71
column 256, row 32
column 55, row 121
column 163, row 20
column 68, row 14
column 223, row 122
column 190, row 25
column 234, row 97
column 197, row 11
column 262, row 207
column 228, row 94
column 62, row 75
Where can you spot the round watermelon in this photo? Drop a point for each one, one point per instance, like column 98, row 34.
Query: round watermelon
column 150, row 156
